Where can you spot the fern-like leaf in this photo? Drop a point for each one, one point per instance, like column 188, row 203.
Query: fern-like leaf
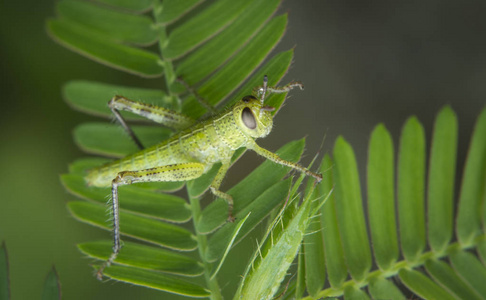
column 219, row 51
column 419, row 251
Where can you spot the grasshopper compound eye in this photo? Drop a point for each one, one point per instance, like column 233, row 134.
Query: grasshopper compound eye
column 248, row 118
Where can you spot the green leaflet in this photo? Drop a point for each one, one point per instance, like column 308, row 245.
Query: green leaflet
column 110, row 140
column 470, row 269
column 231, row 242
column 4, row 273
column 423, row 286
column 92, row 97
column 381, row 193
column 118, row 26
column 441, row 180
column 300, row 284
column 473, row 190
column 202, row 27
column 380, row 288
column 146, row 229
column 215, row 52
column 350, row 210
column 97, row 47
column 410, row 189
column 313, row 250
column 52, row 286
column 146, row 257
column 445, row 275
column 333, row 249
column 137, row 6
column 172, row 10
column 156, row 280
column 351, row 292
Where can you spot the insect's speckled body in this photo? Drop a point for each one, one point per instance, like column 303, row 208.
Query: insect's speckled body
column 208, row 142
column 191, row 152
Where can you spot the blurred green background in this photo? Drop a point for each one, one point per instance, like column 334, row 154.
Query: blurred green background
column 361, row 62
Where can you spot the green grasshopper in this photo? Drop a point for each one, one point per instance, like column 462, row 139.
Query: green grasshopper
column 191, row 152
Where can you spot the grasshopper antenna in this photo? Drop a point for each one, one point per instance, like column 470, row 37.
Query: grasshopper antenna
column 264, row 91
column 264, row 88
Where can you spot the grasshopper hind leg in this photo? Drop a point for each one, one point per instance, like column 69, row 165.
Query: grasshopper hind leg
column 177, row 172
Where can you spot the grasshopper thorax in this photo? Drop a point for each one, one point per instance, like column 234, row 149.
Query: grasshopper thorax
column 252, row 117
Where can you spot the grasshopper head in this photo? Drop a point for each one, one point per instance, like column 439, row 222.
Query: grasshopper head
column 253, row 118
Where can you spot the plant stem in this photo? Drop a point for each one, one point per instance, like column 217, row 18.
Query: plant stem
column 169, row 72
column 170, row 77
column 202, row 247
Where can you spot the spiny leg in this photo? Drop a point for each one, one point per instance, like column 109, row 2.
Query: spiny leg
column 285, row 88
column 215, row 189
column 262, row 89
column 155, row 113
column 275, row 158
column 200, row 99
column 178, row 172
column 124, row 124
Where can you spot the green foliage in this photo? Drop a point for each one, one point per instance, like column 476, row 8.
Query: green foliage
column 4, row 273
column 222, row 44
column 447, row 269
column 52, row 286
column 214, row 50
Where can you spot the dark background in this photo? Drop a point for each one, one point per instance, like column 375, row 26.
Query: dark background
column 362, row 62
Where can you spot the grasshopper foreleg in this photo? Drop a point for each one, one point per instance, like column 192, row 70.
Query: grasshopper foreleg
column 215, row 189
column 155, row 113
column 285, row 88
column 275, row 158
column 178, row 172
column 257, row 91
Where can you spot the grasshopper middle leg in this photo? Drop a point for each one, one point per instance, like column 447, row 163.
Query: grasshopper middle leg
column 215, row 189
column 177, row 172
